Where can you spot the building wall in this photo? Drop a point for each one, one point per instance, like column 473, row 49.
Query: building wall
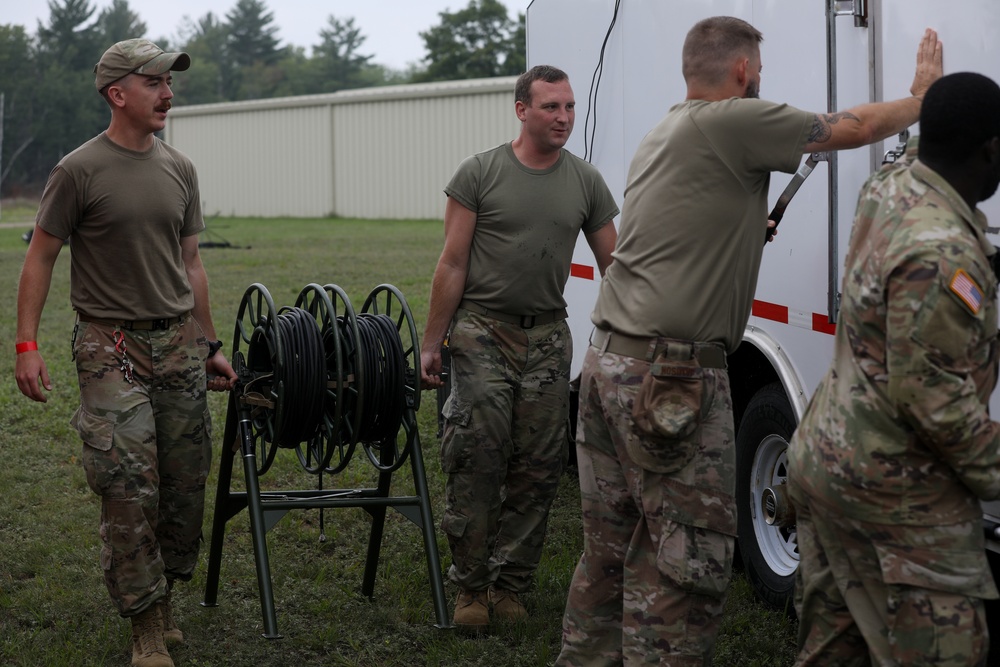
column 374, row 153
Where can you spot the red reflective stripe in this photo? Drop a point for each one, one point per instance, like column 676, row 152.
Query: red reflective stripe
column 770, row 311
column 778, row 313
column 822, row 324
column 762, row 309
column 581, row 271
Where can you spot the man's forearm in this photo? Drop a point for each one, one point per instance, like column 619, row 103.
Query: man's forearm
column 447, row 289
column 885, row 119
column 32, row 292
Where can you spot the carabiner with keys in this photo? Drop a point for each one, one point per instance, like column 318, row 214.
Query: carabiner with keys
column 122, row 349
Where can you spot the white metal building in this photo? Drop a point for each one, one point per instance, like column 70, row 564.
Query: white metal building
column 382, row 152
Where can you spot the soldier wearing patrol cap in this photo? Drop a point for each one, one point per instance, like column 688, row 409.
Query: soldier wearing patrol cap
column 143, row 345
column 137, row 56
column 897, row 446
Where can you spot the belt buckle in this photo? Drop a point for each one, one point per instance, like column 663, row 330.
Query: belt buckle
column 160, row 325
column 527, row 321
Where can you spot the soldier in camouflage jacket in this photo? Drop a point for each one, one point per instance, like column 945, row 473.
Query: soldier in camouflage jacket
column 897, row 447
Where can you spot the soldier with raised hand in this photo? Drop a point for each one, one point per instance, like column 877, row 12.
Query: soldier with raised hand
column 897, row 447
column 655, row 430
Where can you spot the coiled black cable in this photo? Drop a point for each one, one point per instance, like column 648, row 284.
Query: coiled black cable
column 350, row 359
column 384, row 368
column 302, row 375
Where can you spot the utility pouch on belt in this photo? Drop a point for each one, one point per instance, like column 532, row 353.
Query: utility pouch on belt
column 667, row 414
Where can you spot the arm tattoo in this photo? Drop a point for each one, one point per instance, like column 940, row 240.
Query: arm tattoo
column 821, row 130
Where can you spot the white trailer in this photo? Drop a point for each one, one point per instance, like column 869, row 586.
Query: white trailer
column 624, row 61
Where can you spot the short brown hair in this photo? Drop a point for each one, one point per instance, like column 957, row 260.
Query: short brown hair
column 713, row 43
column 546, row 73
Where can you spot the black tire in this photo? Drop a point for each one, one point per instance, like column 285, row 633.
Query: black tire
column 993, row 612
column 769, row 554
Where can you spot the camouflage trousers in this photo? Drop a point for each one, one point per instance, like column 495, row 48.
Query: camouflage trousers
column 658, row 544
column 147, row 453
column 887, row 595
column 503, row 447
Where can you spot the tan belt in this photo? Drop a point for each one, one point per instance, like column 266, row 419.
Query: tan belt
column 134, row 325
column 709, row 355
column 523, row 321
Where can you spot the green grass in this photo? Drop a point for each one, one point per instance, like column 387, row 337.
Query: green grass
column 54, row 609
column 18, row 211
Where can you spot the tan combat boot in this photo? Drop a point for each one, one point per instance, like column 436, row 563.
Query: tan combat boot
column 507, row 605
column 471, row 609
column 171, row 633
column 148, row 649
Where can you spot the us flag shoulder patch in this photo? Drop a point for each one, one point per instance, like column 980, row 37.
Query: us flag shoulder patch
column 966, row 289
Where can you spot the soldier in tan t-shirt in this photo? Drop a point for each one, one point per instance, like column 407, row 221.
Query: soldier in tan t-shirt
column 143, row 346
column 655, row 435
column 513, row 217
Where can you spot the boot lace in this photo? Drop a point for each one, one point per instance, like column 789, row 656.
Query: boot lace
column 149, row 632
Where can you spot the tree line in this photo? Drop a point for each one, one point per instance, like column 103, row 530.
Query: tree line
column 46, row 77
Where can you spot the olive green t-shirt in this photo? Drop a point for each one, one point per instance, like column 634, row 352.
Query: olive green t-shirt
column 125, row 213
column 694, row 219
column 527, row 224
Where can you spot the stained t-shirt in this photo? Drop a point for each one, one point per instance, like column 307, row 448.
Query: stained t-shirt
column 527, row 224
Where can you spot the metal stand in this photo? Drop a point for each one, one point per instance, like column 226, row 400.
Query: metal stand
column 244, row 433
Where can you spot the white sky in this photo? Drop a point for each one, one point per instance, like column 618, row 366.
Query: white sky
column 391, row 27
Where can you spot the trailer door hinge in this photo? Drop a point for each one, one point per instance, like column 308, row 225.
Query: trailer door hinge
column 856, row 8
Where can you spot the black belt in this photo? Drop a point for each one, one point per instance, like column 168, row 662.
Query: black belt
column 523, row 321
column 709, row 355
column 161, row 324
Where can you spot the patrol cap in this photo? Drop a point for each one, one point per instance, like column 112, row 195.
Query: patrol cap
column 140, row 56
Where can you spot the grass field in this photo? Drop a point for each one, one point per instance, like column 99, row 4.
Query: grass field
column 54, row 609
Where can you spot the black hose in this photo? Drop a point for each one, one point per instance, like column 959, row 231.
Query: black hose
column 384, row 368
column 303, row 376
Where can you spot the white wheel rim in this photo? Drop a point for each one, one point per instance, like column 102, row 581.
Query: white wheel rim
column 778, row 546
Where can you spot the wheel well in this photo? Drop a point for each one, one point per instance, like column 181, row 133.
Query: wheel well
column 749, row 370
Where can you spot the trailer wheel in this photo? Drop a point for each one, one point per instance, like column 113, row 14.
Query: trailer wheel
column 770, row 554
column 993, row 609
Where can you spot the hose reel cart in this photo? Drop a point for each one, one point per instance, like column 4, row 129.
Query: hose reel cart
column 320, row 379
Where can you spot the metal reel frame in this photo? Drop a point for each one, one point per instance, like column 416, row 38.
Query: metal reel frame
column 387, row 300
column 256, row 333
column 334, row 438
column 352, row 377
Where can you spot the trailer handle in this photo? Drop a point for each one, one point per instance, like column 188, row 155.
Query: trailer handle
column 778, row 212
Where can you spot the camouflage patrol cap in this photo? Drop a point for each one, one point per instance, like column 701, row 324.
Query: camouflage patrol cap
column 137, row 55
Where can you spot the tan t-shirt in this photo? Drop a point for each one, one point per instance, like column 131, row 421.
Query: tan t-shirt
column 527, row 223
column 694, row 219
column 125, row 213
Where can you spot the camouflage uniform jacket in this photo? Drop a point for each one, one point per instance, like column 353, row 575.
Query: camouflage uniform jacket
column 898, row 431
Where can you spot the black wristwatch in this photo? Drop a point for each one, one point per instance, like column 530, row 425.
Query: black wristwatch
column 213, row 347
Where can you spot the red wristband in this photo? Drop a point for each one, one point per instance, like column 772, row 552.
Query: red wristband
column 28, row 346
